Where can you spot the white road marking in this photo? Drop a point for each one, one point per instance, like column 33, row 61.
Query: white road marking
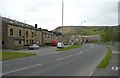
column 89, row 48
column 91, row 73
column 20, row 69
column 60, row 59
column 65, row 57
column 79, row 53
column 116, row 52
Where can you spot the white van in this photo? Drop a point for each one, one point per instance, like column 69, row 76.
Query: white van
column 60, row 45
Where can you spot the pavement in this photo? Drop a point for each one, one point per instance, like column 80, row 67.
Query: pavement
column 113, row 67
column 77, row 62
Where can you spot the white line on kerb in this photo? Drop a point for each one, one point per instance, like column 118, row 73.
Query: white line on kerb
column 91, row 73
column 20, row 69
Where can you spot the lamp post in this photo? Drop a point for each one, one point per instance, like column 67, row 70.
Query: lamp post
column 82, row 22
column 62, row 18
column 82, row 31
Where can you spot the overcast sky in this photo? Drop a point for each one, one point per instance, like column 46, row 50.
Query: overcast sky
column 47, row 13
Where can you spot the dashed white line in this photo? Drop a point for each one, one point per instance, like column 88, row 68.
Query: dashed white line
column 60, row 59
column 65, row 57
column 21, row 69
column 79, row 53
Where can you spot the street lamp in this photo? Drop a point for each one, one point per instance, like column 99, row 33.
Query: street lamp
column 81, row 30
column 82, row 22
column 62, row 18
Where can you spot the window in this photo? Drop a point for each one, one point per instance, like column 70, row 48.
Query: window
column 45, row 35
column 26, row 42
column 20, row 42
column 32, row 41
column 51, row 36
column 26, row 33
column 32, row 34
column 11, row 31
column 48, row 36
column 3, row 42
column 19, row 32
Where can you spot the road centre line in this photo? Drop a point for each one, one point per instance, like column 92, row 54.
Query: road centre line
column 60, row 59
column 79, row 53
column 89, row 48
column 86, row 50
column 21, row 69
column 65, row 57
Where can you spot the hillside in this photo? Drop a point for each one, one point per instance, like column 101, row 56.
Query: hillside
column 107, row 32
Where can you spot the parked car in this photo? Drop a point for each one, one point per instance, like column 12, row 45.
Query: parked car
column 54, row 43
column 33, row 47
column 65, row 43
column 60, row 45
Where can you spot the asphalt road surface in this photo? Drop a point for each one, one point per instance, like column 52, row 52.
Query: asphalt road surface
column 78, row 62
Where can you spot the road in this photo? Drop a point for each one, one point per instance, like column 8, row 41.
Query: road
column 78, row 62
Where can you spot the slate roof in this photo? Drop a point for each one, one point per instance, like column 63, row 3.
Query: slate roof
column 47, row 32
column 16, row 23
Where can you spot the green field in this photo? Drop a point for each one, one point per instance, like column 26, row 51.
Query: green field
column 13, row 55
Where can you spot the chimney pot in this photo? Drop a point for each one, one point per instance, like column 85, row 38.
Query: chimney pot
column 35, row 25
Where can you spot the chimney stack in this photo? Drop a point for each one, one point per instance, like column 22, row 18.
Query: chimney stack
column 35, row 25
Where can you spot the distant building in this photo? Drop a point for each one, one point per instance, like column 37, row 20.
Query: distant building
column 86, row 38
column 58, row 36
column 48, row 37
column 16, row 34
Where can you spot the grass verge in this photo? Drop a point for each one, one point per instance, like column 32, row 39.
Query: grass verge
column 69, row 48
column 13, row 55
column 106, row 60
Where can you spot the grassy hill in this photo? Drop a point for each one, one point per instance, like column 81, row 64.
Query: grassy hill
column 108, row 33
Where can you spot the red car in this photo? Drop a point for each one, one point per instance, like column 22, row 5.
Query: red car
column 54, row 43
